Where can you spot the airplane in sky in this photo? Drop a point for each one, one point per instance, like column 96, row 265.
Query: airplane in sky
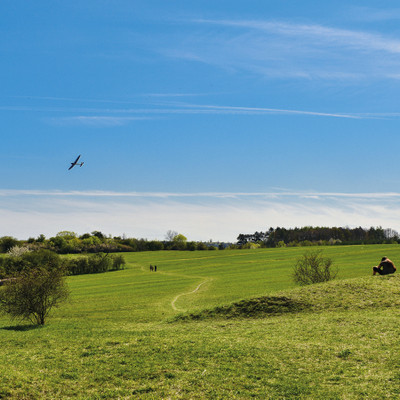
column 76, row 163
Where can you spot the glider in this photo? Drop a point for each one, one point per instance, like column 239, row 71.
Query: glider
column 76, row 163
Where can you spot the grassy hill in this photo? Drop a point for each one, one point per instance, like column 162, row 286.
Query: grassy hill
column 349, row 294
column 214, row 324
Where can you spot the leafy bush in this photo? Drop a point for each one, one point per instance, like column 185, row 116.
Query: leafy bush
column 191, row 246
column 312, row 267
column 99, row 262
column 95, row 263
column 251, row 246
column 201, row 246
column 118, row 262
column 12, row 264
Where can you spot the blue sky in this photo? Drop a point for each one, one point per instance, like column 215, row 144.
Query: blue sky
column 210, row 118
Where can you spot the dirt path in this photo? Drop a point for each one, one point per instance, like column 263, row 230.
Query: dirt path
column 144, row 269
column 184, row 294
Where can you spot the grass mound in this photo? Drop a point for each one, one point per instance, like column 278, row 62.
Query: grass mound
column 349, row 294
column 253, row 308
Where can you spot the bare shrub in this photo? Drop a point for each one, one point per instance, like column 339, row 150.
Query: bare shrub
column 312, row 267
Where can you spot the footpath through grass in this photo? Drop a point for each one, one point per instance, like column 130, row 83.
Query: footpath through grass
column 118, row 337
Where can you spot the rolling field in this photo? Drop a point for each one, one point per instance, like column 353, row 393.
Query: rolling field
column 118, row 336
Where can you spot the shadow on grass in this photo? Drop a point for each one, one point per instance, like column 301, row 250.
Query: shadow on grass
column 21, row 328
column 252, row 308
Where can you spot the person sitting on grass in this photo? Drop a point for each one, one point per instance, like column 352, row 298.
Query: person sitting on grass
column 385, row 267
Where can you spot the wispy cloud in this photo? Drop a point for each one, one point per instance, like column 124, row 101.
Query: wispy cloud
column 133, row 98
column 121, row 116
column 94, row 121
column 370, row 14
column 319, row 34
column 277, row 49
column 263, row 111
column 162, row 105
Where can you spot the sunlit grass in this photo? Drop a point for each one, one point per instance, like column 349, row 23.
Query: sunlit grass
column 116, row 337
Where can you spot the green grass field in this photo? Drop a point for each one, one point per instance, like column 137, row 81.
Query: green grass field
column 119, row 336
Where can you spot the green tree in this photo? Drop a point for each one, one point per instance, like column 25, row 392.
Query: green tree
column 191, row 246
column 99, row 234
column 201, row 246
column 41, row 238
column 34, row 291
column 179, row 242
column 68, row 235
column 7, row 242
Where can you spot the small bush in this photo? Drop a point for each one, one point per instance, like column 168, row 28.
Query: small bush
column 312, row 267
column 118, row 262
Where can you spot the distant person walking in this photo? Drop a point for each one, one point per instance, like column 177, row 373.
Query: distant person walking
column 385, row 267
column 155, row 268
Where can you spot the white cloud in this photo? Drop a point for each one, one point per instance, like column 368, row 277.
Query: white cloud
column 200, row 216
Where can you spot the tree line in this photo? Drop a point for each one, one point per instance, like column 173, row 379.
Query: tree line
column 308, row 236
column 67, row 242
column 20, row 259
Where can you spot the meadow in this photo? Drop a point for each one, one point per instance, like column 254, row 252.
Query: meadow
column 162, row 335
